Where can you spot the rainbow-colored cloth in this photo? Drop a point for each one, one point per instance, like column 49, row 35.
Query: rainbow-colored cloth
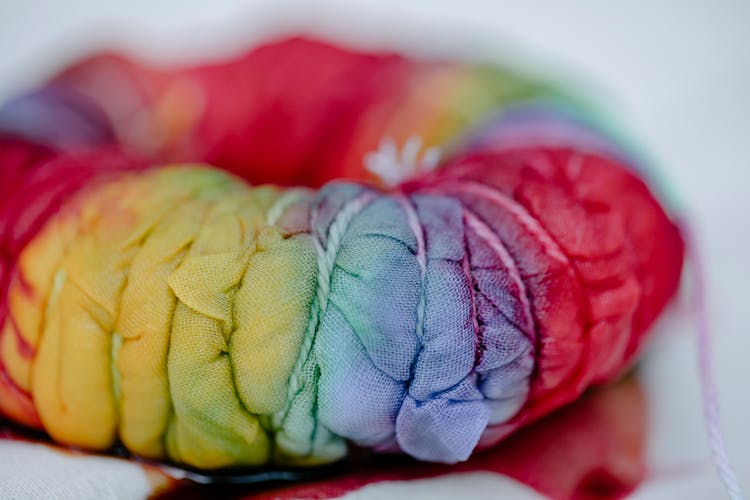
column 286, row 305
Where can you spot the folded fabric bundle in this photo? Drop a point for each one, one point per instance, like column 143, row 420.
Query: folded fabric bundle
column 286, row 304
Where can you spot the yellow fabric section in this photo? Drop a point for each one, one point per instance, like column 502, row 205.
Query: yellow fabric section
column 16, row 364
column 272, row 308
column 72, row 378
column 145, row 322
column 210, row 426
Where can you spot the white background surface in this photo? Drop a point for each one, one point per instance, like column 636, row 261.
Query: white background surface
column 676, row 73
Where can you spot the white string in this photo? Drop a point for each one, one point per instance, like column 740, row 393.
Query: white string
column 708, row 385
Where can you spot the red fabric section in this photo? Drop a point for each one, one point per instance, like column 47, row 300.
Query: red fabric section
column 284, row 113
column 297, row 109
column 623, row 261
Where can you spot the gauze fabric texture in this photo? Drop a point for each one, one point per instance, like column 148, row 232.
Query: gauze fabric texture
column 195, row 315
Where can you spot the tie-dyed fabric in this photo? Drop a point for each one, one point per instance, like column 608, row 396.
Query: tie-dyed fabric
column 286, row 306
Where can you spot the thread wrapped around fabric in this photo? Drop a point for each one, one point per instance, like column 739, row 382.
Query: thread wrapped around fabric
column 195, row 315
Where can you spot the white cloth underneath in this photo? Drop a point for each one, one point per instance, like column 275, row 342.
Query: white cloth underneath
column 31, row 471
